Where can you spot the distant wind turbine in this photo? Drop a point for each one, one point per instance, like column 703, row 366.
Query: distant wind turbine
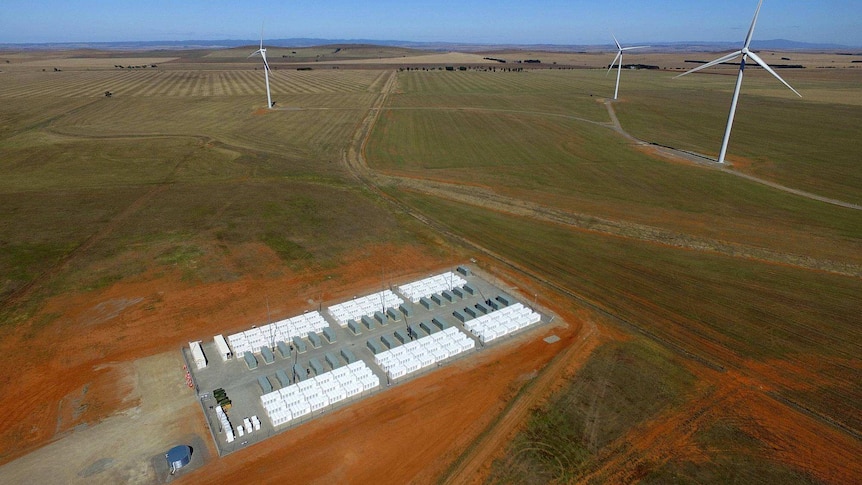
column 620, row 58
column 745, row 53
column 266, row 69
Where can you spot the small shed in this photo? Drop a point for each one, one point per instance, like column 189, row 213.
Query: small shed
column 265, row 385
column 223, row 349
column 437, row 299
column 283, row 349
column 373, row 346
column 482, row 308
column 354, row 327
column 332, row 360
column 425, row 302
column 458, row 292
column 428, row 327
column 405, row 310
column 393, row 313
column 442, row 325
column 198, row 354
column 250, row 360
column 505, row 300
column 380, row 317
column 329, row 333
column 299, row 345
column 493, row 304
column 282, row 377
column 388, row 341
column 401, row 335
column 469, row 289
column 315, row 340
column 448, row 295
column 316, row 366
column 178, row 457
column 298, row 373
column 368, row 322
column 464, row 270
column 471, row 312
column 268, row 358
column 348, row 356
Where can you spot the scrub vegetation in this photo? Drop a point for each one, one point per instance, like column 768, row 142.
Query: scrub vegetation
column 724, row 313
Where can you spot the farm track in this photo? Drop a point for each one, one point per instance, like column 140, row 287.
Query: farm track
column 488, row 199
column 492, row 438
column 703, row 160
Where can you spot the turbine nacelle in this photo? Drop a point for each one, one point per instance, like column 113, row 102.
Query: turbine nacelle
column 266, row 69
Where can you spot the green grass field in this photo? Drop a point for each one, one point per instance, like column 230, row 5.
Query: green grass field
column 166, row 174
column 807, row 144
column 182, row 171
column 720, row 308
column 564, row 162
column 621, row 386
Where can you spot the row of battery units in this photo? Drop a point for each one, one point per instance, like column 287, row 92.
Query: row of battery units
column 268, row 335
column 316, row 393
column 225, row 424
column 366, row 305
column 424, row 352
column 502, row 322
column 429, row 286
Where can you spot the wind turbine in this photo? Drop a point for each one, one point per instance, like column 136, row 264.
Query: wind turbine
column 745, row 53
column 620, row 58
column 266, row 69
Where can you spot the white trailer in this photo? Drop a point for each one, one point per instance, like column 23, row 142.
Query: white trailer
column 223, row 349
column 198, row 354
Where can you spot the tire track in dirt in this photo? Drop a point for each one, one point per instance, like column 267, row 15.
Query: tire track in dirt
column 486, row 198
column 662, row 440
column 473, row 464
column 493, row 439
column 483, row 197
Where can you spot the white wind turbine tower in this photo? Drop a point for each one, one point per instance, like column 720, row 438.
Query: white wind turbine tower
column 620, row 58
column 745, row 53
column 262, row 52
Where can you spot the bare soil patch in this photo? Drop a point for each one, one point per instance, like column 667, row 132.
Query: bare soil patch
column 408, row 434
column 70, row 363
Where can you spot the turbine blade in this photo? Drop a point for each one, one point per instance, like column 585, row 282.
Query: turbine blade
column 753, row 23
column 261, row 35
column 637, row 47
column 616, row 41
column 253, row 53
column 764, row 65
column 726, row 58
column 619, row 55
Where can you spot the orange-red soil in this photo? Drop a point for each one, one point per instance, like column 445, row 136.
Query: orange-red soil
column 71, row 363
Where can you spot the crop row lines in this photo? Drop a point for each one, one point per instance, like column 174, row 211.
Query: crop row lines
column 184, row 83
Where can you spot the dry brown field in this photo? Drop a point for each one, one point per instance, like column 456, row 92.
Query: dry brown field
column 708, row 325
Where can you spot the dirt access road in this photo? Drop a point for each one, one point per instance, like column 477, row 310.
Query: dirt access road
column 121, row 448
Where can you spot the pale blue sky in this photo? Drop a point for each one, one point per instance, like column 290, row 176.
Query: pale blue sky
column 505, row 21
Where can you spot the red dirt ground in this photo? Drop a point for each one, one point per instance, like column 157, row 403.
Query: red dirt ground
column 787, row 436
column 75, row 370
column 407, row 434
column 70, row 364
